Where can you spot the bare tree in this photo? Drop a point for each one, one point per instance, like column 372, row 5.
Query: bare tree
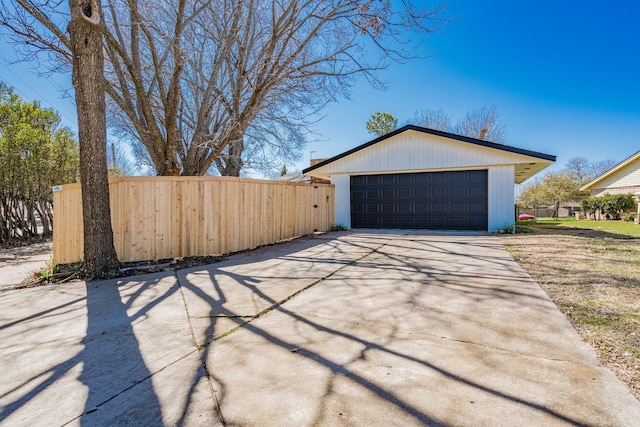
column 579, row 167
column 206, row 82
column 482, row 123
column 584, row 170
column 601, row 166
column 85, row 43
column 432, row 119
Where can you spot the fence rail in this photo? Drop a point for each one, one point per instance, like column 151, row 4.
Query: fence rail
column 169, row 217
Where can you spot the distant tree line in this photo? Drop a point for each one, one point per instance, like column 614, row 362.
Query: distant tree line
column 35, row 154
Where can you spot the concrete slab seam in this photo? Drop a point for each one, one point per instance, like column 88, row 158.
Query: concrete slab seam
column 148, row 377
column 252, row 318
column 202, row 359
column 288, row 298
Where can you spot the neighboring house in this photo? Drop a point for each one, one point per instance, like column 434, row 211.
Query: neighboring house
column 416, row 177
column 621, row 179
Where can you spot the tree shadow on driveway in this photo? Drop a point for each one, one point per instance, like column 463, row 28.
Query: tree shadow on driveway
column 82, row 359
column 296, row 357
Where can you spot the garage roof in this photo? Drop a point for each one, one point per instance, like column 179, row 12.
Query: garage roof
column 528, row 164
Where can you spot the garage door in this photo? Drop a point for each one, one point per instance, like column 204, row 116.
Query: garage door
column 455, row 200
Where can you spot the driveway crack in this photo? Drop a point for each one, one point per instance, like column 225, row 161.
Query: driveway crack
column 289, row 297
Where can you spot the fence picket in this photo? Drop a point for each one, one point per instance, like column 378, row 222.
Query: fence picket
column 172, row 217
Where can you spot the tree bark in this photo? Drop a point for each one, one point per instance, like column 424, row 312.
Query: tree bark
column 233, row 162
column 100, row 259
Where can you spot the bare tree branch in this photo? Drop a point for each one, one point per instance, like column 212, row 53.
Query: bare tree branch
column 207, row 82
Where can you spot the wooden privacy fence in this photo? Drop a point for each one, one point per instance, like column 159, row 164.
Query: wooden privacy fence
column 170, row 217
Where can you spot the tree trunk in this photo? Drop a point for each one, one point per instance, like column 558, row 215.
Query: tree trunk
column 100, row 259
column 233, row 163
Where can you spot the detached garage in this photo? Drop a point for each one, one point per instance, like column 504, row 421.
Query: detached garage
column 419, row 178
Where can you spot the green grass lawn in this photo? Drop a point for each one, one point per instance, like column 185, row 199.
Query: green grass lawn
column 615, row 227
column 591, row 271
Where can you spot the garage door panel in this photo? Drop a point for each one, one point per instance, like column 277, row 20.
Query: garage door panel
column 460, row 178
column 405, row 193
column 477, row 208
column 404, row 222
column 439, row 207
column 477, row 176
column 422, row 193
column 388, row 193
column 479, row 223
column 457, row 223
column 441, row 177
column 373, row 194
column 455, row 200
column 388, row 207
column 405, row 179
column 358, row 195
column 358, row 222
column 476, row 191
column 458, row 207
column 439, row 222
column 388, row 179
column 422, row 208
column 439, row 192
column 372, row 208
column 458, row 192
column 422, row 179
column 405, row 208
column 359, row 180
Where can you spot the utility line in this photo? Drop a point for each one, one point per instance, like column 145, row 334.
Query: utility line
column 40, row 98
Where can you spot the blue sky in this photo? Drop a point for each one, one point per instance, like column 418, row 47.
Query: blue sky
column 565, row 76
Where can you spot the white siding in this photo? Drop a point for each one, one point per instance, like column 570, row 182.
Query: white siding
column 628, row 176
column 342, row 206
column 501, row 197
column 413, row 151
column 615, row 190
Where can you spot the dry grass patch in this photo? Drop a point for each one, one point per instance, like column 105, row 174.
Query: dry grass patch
column 594, row 279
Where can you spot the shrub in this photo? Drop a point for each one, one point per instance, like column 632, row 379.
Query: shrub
column 591, row 205
column 629, row 216
column 610, row 205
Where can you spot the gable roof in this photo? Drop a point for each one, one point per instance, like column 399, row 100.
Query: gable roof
column 473, row 141
column 606, row 174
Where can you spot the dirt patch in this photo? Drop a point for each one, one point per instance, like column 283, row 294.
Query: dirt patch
column 593, row 277
column 64, row 273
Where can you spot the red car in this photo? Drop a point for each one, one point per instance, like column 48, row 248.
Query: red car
column 525, row 217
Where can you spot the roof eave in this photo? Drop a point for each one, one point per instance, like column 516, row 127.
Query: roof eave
column 462, row 138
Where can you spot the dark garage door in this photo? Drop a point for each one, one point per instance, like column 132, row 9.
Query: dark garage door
column 455, row 200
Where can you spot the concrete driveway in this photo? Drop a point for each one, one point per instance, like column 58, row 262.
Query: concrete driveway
column 341, row 329
column 18, row 264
